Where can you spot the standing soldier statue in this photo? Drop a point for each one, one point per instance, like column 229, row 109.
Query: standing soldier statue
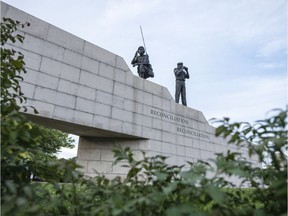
column 181, row 73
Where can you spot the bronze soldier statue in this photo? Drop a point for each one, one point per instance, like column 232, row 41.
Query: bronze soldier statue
column 142, row 61
column 181, row 73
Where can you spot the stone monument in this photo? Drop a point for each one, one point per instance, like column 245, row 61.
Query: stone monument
column 83, row 89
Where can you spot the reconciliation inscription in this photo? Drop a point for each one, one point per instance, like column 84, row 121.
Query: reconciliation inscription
column 191, row 132
column 169, row 116
column 180, row 120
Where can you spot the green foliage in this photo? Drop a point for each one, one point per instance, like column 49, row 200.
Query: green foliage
column 26, row 148
column 12, row 65
column 14, row 128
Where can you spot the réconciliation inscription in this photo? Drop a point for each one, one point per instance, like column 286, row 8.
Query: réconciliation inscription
column 169, row 116
column 191, row 132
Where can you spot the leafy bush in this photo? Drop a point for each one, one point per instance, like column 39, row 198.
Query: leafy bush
column 24, row 149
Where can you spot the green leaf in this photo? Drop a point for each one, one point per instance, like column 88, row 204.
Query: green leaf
column 216, row 194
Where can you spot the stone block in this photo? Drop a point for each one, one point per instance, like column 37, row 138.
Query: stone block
column 146, row 121
column 50, row 66
column 189, row 152
column 209, row 129
column 99, row 54
column 138, row 107
column 138, row 96
column 165, row 105
column 86, row 92
column 168, row 137
column 85, row 105
column 54, row 97
column 37, row 27
column 70, row 73
column 27, row 89
column 145, row 145
column 151, row 133
column 30, row 76
column 156, row 146
column 45, row 80
column 129, row 79
column 89, row 154
column 129, row 128
column 98, row 143
column 90, row 65
column 99, row 167
column 118, row 101
column 106, row 71
column 107, row 155
column 138, row 82
column 188, row 141
column 68, row 87
column 169, row 126
column 156, row 123
column 121, row 64
column 152, row 88
column 84, row 143
column 65, row 39
column 180, row 140
column 116, row 125
column 41, row 47
column 72, row 58
column 166, row 148
column 88, row 79
column 196, row 154
column 32, row 61
column 209, row 146
column 4, row 9
column 122, row 115
column 102, row 109
column 202, row 145
column 129, row 93
column 83, row 118
column 166, row 94
column 120, row 75
column 173, row 107
column 104, row 84
column 58, row 69
column 104, row 97
column 62, row 113
column 148, row 99
column 180, row 150
column 119, row 89
column 102, row 122
column 157, row 102
column 44, row 109
column 137, row 119
column 129, row 105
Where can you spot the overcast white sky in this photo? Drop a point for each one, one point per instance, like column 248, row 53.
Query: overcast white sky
column 236, row 50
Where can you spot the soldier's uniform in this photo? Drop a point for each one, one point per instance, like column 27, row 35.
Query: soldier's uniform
column 181, row 74
column 144, row 67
